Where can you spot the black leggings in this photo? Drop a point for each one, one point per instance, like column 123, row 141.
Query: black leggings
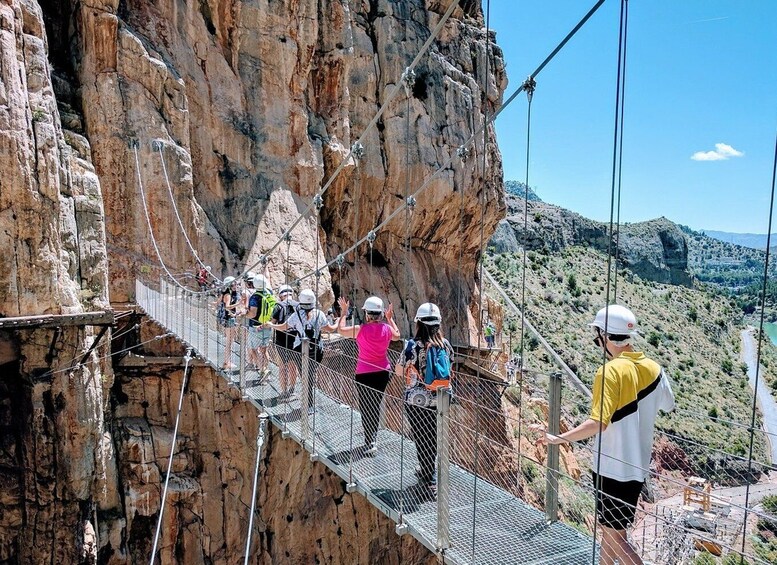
column 370, row 391
column 423, row 428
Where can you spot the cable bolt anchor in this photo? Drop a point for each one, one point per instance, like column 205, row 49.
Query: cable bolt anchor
column 357, row 152
column 318, row 202
column 529, row 85
column 462, row 152
column 408, row 80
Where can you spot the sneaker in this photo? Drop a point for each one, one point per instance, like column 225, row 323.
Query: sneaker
column 371, row 450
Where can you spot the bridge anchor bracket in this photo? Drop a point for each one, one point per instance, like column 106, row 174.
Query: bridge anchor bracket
column 401, row 529
column 315, row 457
column 350, row 488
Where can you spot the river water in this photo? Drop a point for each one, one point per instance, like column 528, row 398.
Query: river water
column 771, row 330
column 766, row 401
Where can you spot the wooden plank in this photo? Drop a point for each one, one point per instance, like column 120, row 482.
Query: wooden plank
column 99, row 318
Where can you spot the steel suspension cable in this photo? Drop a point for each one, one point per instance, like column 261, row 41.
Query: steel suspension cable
column 392, row 94
column 447, row 163
column 260, row 440
column 408, row 79
column 159, row 146
column 620, row 152
column 148, row 223
column 530, row 86
column 597, row 482
column 187, row 359
column 760, row 338
column 481, row 248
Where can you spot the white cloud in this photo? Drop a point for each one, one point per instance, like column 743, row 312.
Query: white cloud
column 721, row 153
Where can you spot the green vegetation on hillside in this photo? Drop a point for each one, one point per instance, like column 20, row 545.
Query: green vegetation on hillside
column 692, row 332
column 736, row 269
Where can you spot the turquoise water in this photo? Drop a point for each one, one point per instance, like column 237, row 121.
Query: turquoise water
column 771, row 330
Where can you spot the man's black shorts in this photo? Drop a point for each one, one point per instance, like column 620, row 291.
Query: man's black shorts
column 616, row 501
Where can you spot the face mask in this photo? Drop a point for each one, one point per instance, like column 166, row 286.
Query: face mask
column 306, row 307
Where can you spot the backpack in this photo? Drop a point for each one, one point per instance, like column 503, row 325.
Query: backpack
column 266, row 306
column 285, row 312
column 438, row 368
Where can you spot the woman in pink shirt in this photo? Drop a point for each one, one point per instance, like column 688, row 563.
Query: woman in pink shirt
column 373, row 369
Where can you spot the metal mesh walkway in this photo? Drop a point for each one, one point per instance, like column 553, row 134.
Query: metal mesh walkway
column 469, row 520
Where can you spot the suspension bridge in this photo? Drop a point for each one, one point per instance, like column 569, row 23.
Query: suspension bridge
column 471, row 519
column 494, row 503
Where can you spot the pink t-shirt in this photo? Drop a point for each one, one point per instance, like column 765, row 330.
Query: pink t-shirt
column 373, row 339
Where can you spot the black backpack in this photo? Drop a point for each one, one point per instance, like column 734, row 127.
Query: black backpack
column 285, row 311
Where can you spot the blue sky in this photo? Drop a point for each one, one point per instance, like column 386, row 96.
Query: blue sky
column 699, row 73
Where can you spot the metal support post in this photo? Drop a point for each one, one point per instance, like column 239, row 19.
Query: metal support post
column 163, row 306
column 443, row 469
column 305, row 396
column 189, row 319
column 179, row 298
column 554, row 422
column 205, row 317
column 241, row 362
column 186, row 317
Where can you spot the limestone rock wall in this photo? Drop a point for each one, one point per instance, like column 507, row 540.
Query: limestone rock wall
column 256, row 103
column 53, row 262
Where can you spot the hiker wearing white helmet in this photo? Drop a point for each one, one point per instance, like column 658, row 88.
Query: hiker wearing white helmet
column 260, row 307
column 245, row 296
column 426, row 366
column 307, row 321
column 284, row 341
column 629, row 390
column 373, row 368
column 226, row 314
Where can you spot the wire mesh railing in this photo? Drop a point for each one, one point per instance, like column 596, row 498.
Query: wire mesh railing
column 465, row 477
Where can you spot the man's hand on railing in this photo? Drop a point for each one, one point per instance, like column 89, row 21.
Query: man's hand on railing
column 545, row 438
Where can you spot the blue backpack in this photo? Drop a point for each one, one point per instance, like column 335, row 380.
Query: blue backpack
column 438, row 367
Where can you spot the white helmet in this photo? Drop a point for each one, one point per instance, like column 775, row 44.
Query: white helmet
column 285, row 288
column 307, row 299
column 228, row 281
column 261, row 283
column 428, row 314
column 249, row 276
column 618, row 319
column 373, row 304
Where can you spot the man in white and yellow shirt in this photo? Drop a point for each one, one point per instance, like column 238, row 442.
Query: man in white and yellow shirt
column 629, row 390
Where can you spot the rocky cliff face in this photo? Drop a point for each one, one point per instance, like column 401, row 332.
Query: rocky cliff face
column 229, row 115
column 53, row 262
column 656, row 250
column 303, row 514
column 255, row 104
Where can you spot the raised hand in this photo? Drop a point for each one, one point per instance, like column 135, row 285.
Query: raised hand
column 390, row 312
column 344, row 305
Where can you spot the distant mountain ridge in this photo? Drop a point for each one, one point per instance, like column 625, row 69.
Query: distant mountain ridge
column 519, row 189
column 752, row 240
column 659, row 250
column 655, row 250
